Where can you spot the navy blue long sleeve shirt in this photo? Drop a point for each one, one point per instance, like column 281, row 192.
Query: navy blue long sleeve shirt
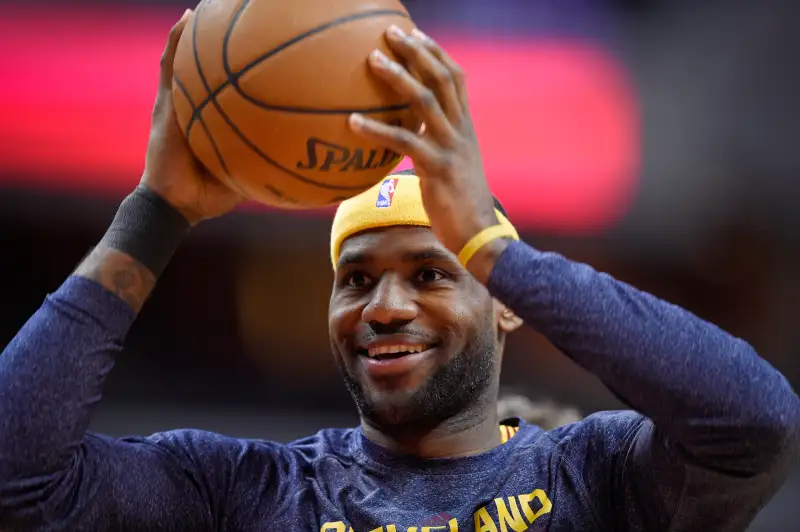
column 712, row 432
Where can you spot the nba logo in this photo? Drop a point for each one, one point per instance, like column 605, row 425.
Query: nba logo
column 386, row 193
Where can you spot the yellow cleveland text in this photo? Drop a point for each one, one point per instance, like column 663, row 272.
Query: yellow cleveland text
column 515, row 513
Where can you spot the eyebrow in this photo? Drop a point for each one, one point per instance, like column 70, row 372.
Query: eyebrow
column 350, row 258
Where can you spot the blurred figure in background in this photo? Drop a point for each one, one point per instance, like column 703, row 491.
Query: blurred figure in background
column 545, row 413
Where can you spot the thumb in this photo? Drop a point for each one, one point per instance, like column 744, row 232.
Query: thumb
column 168, row 57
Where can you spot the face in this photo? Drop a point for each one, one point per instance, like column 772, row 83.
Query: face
column 414, row 334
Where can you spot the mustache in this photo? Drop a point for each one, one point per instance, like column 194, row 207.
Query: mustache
column 370, row 334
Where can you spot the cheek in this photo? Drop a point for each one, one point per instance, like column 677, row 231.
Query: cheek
column 469, row 318
column 343, row 318
column 456, row 321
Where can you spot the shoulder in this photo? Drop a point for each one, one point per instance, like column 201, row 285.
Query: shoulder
column 337, row 444
column 223, row 461
column 204, row 446
column 596, row 448
column 610, row 427
column 604, row 434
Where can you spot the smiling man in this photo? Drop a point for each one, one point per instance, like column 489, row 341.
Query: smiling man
column 430, row 277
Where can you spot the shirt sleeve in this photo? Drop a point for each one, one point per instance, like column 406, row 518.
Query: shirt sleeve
column 721, row 426
column 56, row 476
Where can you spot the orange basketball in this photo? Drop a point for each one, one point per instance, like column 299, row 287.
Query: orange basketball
column 263, row 89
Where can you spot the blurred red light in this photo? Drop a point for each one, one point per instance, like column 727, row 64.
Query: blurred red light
column 556, row 119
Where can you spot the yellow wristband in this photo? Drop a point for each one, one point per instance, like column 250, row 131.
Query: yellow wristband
column 481, row 239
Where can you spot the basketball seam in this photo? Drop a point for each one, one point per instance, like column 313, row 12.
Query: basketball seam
column 204, row 126
column 233, row 77
column 213, row 100
column 204, row 81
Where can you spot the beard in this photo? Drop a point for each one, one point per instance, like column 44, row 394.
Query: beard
column 454, row 388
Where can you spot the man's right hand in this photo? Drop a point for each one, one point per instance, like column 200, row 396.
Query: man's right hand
column 144, row 235
column 171, row 170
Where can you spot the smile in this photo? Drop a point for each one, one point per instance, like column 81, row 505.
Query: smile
column 391, row 357
column 394, row 351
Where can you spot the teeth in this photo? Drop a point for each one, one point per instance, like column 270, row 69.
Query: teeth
column 395, row 349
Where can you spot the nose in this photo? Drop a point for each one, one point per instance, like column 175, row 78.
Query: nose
column 391, row 303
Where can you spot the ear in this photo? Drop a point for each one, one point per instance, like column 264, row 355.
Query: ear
column 507, row 321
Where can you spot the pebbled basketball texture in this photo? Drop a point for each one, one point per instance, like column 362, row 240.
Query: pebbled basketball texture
column 263, row 89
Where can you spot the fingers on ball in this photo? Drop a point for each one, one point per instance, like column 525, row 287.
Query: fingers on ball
column 434, row 75
column 422, row 98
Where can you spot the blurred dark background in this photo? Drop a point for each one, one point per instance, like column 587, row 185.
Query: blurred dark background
column 655, row 140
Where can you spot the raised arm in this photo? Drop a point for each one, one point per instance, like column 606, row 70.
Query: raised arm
column 53, row 474
column 724, row 425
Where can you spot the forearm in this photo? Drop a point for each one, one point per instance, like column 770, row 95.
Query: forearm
column 120, row 274
column 705, row 389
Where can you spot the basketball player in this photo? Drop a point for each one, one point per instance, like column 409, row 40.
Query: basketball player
column 426, row 290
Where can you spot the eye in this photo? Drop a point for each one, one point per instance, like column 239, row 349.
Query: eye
column 356, row 280
column 430, row 275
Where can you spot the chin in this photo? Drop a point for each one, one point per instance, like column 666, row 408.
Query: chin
column 391, row 416
column 390, row 399
column 408, row 410
column 385, row 406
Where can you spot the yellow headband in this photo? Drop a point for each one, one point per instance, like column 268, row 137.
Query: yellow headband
column 395, row 200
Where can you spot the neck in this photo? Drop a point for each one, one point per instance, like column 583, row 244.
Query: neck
column 466, row 434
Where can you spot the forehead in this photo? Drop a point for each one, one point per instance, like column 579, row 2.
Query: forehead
column 392, row 243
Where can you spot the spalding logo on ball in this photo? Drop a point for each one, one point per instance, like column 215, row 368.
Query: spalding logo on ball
column 263, row 90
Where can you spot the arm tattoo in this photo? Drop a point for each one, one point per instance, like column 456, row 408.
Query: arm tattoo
column 120, row 274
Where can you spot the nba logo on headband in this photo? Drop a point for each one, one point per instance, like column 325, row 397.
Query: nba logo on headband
column 386, row 193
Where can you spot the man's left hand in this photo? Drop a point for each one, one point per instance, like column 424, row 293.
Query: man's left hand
column 445, row 152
